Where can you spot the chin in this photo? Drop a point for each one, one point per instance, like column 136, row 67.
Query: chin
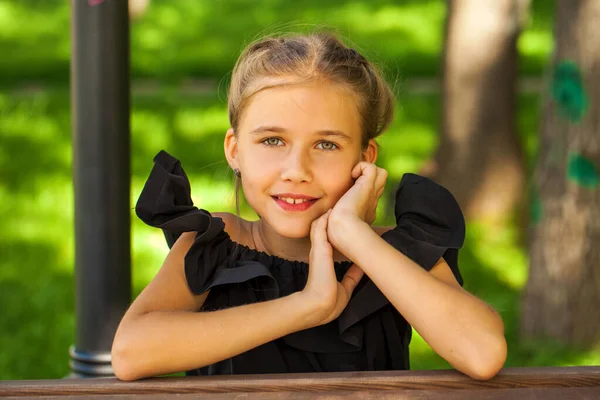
column 293, row 231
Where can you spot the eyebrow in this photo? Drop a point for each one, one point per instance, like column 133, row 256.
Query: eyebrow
column 277, row 129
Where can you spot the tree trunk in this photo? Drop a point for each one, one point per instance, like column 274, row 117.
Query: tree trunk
column 479, row 158
column 562, row 297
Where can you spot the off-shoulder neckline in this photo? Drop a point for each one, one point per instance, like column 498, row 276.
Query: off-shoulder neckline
column 280, row 260
column 276, row 259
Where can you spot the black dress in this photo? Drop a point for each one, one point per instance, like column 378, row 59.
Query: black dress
column 369, row 334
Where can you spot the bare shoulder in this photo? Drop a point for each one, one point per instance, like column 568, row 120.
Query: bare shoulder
column 236, row 227
column 380, row 230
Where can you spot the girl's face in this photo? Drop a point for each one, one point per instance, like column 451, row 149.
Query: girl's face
column 297, row 144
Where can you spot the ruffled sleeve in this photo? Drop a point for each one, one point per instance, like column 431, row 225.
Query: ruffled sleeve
column 166, row 203
column 429, row 223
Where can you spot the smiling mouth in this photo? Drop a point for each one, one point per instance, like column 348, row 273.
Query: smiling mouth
column 294, row 204
column 290, row 200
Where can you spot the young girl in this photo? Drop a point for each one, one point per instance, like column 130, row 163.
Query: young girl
column 311, row 286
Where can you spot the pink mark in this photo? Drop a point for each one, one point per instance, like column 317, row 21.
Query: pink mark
column 94, row 2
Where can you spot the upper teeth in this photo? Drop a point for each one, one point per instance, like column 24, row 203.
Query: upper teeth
column 292, row 201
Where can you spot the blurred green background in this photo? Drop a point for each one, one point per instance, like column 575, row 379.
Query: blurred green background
column 181, row 54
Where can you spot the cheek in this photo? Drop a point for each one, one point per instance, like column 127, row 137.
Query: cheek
column 253, row 180
column 254, row 162
column 259, row 168
column 257, row 175
column 337, row 179
column 339, row 188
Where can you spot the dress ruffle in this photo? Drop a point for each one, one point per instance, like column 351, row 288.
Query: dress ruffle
column 430, row 225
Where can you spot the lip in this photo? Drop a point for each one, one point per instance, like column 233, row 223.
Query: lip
column 295, row 196
column 305, row 205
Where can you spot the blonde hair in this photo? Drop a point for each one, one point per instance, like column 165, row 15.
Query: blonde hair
column 300, row 58
column 293, row 59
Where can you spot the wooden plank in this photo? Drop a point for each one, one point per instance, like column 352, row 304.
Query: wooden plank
column 312, row 383
column 572, row 393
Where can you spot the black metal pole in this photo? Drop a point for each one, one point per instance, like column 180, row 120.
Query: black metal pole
column 101, row 176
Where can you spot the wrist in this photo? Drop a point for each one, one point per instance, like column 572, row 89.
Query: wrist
column 344, row 230
column 310, row 311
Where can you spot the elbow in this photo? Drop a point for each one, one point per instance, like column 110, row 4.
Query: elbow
column 122, row 361
column 489, row 362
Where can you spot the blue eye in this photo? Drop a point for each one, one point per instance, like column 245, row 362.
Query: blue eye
column 272, row 141
column 327, row 146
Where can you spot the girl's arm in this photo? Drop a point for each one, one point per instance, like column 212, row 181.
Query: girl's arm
column 161, row 342
column 162, row 332
column 459, row 327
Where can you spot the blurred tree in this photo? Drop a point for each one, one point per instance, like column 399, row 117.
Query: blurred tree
column 562, row 296
column 479, row 158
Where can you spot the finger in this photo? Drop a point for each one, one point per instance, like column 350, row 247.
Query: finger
column 312, row 230
column 319, row 233
column 362, row 168
column 351, row 279
column 380, row 181
column 356, row 171
column 365, row 174
column 315, row 224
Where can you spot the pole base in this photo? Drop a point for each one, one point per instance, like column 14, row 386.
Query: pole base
column 86, row 364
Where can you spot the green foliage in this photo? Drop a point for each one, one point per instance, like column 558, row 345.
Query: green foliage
column 583, row 171
column 180, row 39
column 568, row 91
column 175, row 40
column 36, row 224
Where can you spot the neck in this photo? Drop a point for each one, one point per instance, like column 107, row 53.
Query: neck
column 268, row 240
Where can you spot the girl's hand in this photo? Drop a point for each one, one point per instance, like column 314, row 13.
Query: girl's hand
column 329, row 296
column 359, row 203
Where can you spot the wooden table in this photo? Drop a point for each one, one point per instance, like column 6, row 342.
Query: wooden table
column 547, row 383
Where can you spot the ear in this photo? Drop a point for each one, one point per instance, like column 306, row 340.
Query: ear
column 370, row 153
column 231, row 149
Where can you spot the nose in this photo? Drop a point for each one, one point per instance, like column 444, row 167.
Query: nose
column 296, row 167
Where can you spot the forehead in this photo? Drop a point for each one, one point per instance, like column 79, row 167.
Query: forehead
column 304, row 108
